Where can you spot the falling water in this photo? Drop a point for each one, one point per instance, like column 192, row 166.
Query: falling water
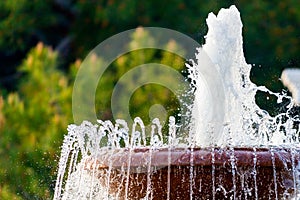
column 274, row 173
column 244, row 122
column 225, row 156
column 213, row 173
column 254, row 172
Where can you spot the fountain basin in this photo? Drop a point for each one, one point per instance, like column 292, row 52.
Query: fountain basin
column 200, row 173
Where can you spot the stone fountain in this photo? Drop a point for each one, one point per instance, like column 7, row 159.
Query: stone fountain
column 232, row 151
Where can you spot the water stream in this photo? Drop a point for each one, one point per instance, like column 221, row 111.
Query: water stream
column 235, row 150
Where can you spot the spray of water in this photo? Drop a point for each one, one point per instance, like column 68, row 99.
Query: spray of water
column 128, row 158
column 244, row 123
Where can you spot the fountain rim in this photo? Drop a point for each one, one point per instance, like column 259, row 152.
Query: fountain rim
column 204, row 157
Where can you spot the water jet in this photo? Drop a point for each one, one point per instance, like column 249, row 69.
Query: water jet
column 234, row 149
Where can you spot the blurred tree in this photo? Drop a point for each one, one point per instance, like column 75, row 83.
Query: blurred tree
column 144, row 97
column 32, row 124
column 23, row 24
column 270, row 28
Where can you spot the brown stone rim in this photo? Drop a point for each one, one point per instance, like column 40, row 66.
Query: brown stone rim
column 160, row 157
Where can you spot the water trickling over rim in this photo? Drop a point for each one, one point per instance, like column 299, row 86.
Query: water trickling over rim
column 230, row 141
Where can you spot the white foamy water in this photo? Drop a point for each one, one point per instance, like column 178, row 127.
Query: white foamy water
column 224, row 114
column 291, row 79
column 244, row 123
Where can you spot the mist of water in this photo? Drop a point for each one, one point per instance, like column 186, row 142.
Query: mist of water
column 243, row 122
column 227, row 116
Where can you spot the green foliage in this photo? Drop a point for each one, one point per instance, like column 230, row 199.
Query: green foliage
column 33, row 122
column 270, row 28
column 146, row 95
column 24, row 21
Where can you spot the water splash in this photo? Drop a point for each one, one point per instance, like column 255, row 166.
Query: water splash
column 244, row 122
column 290, row 78
column 109, row 161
